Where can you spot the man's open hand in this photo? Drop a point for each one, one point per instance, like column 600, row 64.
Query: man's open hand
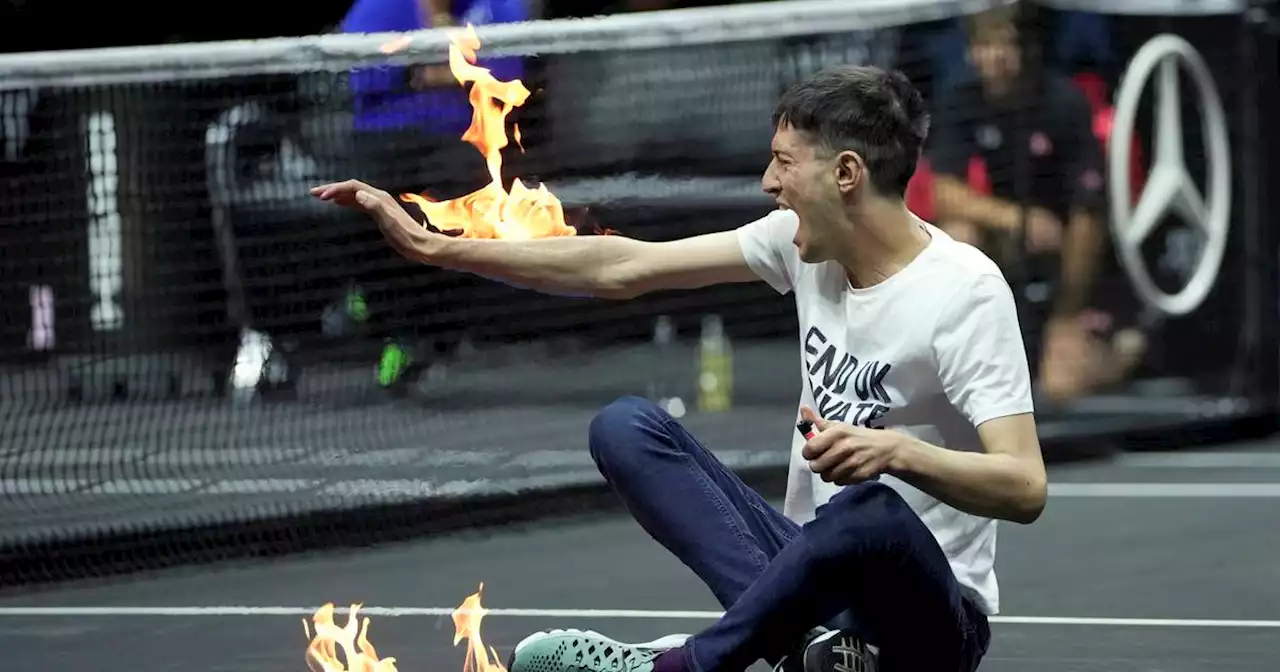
column 408, row 237
column 845, row 454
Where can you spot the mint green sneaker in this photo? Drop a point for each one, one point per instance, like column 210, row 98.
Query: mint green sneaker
column 586, row 651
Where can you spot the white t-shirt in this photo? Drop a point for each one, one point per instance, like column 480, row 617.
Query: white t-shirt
column 933, row 351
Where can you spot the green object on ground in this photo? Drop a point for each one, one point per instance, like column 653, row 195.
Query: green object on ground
column 393, row 363
column 357, row 308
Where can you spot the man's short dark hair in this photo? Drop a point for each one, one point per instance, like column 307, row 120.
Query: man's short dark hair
column 876, row 113
column 1000, row 23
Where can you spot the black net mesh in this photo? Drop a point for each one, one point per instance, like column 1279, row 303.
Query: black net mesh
column 200, row 360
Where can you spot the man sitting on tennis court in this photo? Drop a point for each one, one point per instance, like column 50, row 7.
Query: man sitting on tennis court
column 924, row 433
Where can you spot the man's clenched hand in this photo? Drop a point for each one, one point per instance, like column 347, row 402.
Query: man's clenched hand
column 845, row 454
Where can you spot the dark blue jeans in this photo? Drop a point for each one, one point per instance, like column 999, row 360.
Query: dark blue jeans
column 866, row 561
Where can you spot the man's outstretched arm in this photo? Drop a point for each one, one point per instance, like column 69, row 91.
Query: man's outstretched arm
column 611, row 267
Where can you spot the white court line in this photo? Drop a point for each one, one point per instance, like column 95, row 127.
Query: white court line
column 1212, row 460
column 418, row 487
column 582, row 613
column 1170, row 490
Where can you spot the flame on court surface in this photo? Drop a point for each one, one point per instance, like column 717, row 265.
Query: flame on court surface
column 359, row 655
column 466, row 625
column 492, row 211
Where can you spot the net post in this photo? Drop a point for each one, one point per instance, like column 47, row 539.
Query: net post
column 1259, row 102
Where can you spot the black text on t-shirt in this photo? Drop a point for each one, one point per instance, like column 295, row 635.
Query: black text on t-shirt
column 832, row 373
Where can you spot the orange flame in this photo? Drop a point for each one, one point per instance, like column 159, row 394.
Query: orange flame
column 360, row 656
column 492, row 212
column 322, row 653
column 466, row 624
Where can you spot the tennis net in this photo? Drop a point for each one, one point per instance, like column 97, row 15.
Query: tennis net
column 199, row 360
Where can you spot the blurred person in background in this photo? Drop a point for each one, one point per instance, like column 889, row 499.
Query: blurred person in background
column 408, row 124
column 1014, row 143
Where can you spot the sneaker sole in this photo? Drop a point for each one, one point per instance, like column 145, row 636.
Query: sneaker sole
column 830, row 634
column 666, row 642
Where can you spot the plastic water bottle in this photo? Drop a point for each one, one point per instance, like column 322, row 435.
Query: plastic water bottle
column 660, row 382
column 663, row 336
column 715, row 367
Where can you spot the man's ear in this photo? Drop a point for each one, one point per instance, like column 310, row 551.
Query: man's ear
column 851, row 170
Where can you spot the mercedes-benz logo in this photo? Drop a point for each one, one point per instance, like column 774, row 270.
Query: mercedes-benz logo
column 1169, row 188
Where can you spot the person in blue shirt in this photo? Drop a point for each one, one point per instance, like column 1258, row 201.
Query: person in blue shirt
column 408, row 124
column 425, row 98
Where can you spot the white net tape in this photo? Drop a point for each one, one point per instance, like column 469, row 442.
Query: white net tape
column 649, row 30
column 1151, row 7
